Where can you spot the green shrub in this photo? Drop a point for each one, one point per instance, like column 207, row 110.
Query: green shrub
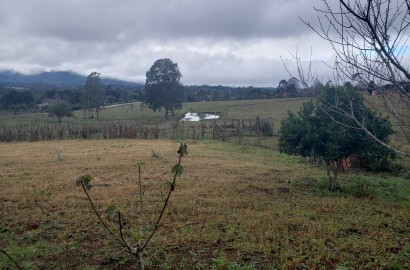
column 362, row 187
column 391, row 189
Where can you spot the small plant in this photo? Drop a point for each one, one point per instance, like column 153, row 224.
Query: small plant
column 222, row 262
column 60, row 155
column 114, row 214
column 155, row 154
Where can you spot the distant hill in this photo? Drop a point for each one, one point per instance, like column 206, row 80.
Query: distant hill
column 57, row 78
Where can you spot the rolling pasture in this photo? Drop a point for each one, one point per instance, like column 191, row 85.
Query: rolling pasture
column 134, row 121
column 236, row 206
column 236, row 109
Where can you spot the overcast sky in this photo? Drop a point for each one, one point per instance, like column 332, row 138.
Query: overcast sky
column 227, row 42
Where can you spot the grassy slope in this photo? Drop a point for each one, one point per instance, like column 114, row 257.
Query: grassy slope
column 235, row 207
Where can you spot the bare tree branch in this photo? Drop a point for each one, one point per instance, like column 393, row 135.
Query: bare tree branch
column 370, row 40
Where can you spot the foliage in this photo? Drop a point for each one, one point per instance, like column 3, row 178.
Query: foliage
column 334, row 102
column 60, row 110
column 286, row 89
column 92, row 96
column 16, row 100
column 163, row 88
column 316, row 133
column 84, row 181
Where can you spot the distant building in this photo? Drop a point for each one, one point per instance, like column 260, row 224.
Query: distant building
column 47, row 102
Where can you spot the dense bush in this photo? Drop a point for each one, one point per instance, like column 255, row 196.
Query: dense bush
column 331, row 136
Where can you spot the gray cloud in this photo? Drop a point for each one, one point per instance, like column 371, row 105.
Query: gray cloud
column 214, row 42
column 110, row 20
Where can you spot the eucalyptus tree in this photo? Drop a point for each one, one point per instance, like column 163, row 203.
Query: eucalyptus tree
column 92, row 96
column 163, row 88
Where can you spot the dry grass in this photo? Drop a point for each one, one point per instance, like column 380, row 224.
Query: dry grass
column 235, row 207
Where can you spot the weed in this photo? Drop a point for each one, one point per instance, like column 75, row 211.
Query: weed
column 392, row 189
column 46, row 192
column 111, row 259
column 60, row 155
column 341, row 267
column 222, row 263
column 396, row 266
column 155, row 154
column 113, row 212
column 87, row 267
column 362, row 187
column 407, row 249
column 16, row 264
column 24, row 257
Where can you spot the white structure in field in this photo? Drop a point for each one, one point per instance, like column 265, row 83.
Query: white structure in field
column 194, row 117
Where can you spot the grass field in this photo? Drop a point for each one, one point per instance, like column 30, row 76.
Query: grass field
column 142, row 122
column 237, row 109
column 235, row 207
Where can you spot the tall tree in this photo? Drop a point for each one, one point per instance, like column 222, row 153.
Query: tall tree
column 163, row 88
column 370, row 39
column 92, row 96
column 287, row 88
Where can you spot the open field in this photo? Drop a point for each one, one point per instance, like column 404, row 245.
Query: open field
column 235, row 207
column 133, row 121
column 236, row 109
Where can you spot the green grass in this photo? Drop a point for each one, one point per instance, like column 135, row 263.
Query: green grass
column 246, row 109
column 235, row 207
column 239, row 109
column 273, row 110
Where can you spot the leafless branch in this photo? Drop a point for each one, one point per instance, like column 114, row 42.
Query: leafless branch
column 370, row 39
column 119, row 239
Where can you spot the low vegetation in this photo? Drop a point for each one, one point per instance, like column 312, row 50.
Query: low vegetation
column 319, row 134
column 237, row 207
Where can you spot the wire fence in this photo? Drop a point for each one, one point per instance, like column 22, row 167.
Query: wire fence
column 222, row 130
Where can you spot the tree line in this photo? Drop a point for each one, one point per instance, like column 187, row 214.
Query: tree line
column 18, row 99
column 94, row 94
column 28, row 98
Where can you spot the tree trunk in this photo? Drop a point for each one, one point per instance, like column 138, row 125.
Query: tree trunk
column 166, row 113
column 332, row 172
